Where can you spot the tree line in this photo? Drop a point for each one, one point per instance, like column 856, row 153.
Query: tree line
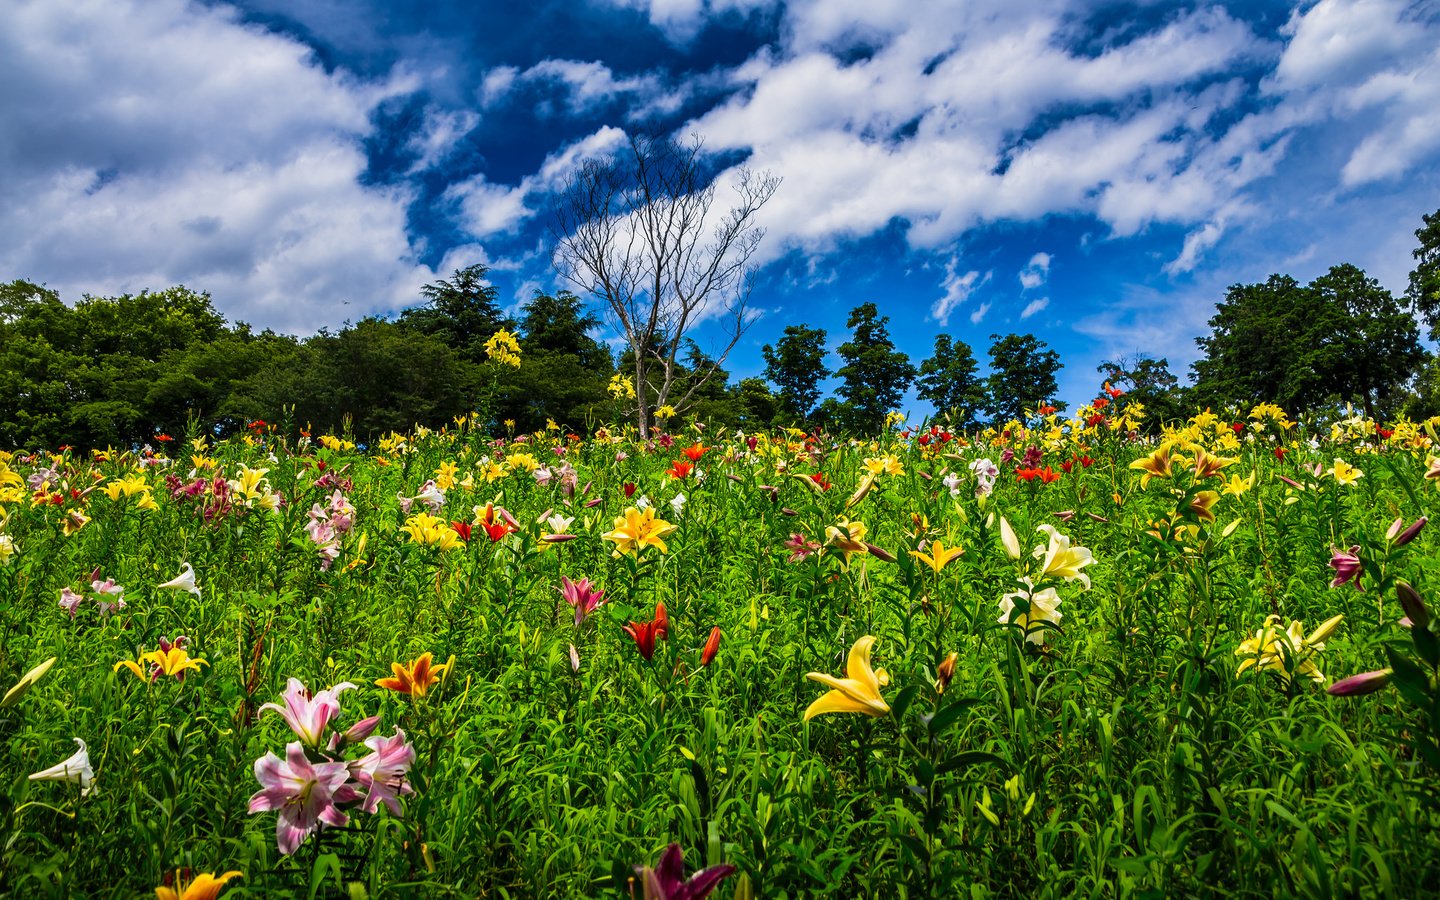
column 122, row 370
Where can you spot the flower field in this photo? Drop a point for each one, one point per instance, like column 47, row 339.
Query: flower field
column 1047, row 660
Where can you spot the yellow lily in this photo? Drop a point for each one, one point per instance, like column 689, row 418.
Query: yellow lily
column 1063, row 560
column 205, row 887
column 938, row 557
column 1156, row 465
column 848, row 537
column 1207, row 465
column 637, row 530
column 859, row 692
column 1203, row 506
column 174, row 662
column 1344, row 473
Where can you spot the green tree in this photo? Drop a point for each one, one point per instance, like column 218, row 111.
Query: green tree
column 1022, row 376
column 1424, row 289
column 875, row 375
column 949, row 380
column 463, row 311
column 563, row 370
column 796, row 365
column 1341, row 338
column 1150, row 383
column 759, row 407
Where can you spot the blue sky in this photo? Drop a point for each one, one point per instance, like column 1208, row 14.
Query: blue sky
column 1096, row 173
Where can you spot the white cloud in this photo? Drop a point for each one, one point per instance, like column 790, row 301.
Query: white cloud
column 487, row 208
column 585, row 86
column 438, row 135
column 958, row 289
column 1036, row 271
column 1034, row 306
column 152, row 143
column 979, row 313
column 682, row 20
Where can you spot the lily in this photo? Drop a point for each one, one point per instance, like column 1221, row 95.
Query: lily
column 382, row 772
column 76, row 769
column 172, row 660
column 636, row 530
column 667, row 880
column 1062, row 560
column 858, row 692
column 27, row 681
column 1347, row 567
column 206, row 886
column 413, row 678
column 308, row 716
column 306, row 794
column 1042, row 606
column 185, row 581
column 582, row 595
column 1156, row 465
column 939, row 556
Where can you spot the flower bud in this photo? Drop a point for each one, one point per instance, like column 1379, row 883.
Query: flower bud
column 1412, row 532
column 1356, row 685
column 1008, row 539
column 945, row 673
column 880, row 554
column 712, row 646
column 1413, row 604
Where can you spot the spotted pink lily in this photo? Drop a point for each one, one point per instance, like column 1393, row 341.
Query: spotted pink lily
column 308, row 716
column 305, row 794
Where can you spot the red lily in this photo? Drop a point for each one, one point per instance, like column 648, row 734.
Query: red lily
column 712, row 647
column 1027, row 474
column 680, row 469
column 1048, row 475
column 695, row 451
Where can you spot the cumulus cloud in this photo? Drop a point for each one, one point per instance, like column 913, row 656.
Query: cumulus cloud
column 1036, row 271
column 150, row 143
column 584, row 86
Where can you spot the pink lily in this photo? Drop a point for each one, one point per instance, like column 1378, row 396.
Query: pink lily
column 308, row 716
column 69, row 601
column 582, row 595
column 1347, row 567
column 306, row 794
column 382, row 771
column 667, row 880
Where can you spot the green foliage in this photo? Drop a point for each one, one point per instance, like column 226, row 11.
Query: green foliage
column 796, row 366
column 462, row 311
column 1149, row 382
column 1022, row 376
column 1423, row 291
column 1341, row 338
column 949, row 380
column 875, row 375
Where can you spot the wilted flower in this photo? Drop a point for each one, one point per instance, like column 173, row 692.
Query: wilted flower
column 800, row 547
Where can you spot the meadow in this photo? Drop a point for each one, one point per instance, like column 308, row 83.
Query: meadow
column 1056, row 658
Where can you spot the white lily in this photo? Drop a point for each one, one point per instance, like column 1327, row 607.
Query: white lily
column 76, row 768
column 185, row 581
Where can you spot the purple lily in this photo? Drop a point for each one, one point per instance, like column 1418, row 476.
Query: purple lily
column 1347, row 567
column 667, row 880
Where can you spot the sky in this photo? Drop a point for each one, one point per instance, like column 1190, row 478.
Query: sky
column 1094, row 173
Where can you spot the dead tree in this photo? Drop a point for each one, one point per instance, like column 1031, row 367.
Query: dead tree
column 641, row 232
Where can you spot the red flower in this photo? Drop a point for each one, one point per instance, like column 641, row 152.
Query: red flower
column 1114, row 392
column 712, row 647
column 1280, row 453
column 1046, row 409
column 1086, row 462
column 1048, row 475
column 462, row 529
column 496, row 530
column 1027, row 474
column 163, row 438
column 1100, row 403
column 821, row 481
column 662, row 621
column 695, row 451
column 923, row 440
column 680, row 469
column 644, row 636
column 629, row 489
column 1067, row 465
column 1385, row 433
column 1237, row 427
column 1095, row 420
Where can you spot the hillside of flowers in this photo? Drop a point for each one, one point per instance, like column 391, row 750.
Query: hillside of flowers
column 1056, row 658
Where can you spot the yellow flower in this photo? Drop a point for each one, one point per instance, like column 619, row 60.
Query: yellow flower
column 491, row 471
column 621, row 388
column 884, row 465
column 445, row 475
column 1203, row 505
column 636, row 530
column 1344, row 473
column 859, row 692
column 1207, row 465
column 1237, row 485
column 429, row 530
column 1062, row 560
column 27, row 681
column 415, row 677
column 1156, row 465
column 665, row 412
column 205, row 887
column 174, row 662
column 503, row 349
column 7, row 549
column 74, row 521
column 938, row 557
column 516, row 462
column 847, row 537
column 1288, row 650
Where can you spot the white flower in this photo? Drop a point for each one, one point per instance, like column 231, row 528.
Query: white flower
column 1008, row 539
column 952, row 484
column 643, row 503
column 76, row 769
column 1043, row 608
column 677, row 503
column 559, row 524
column 185, row 581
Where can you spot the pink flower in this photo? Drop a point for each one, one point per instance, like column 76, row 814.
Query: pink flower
column 308, row 716
column 69, row 600
column 800, row 547
column 305, row 794
column 108, row 587
column 1347, row 567
column 667, row 880
column 582, row 595
column 382, row 771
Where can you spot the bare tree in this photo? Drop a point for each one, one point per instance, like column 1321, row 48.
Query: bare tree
column 641, row 232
